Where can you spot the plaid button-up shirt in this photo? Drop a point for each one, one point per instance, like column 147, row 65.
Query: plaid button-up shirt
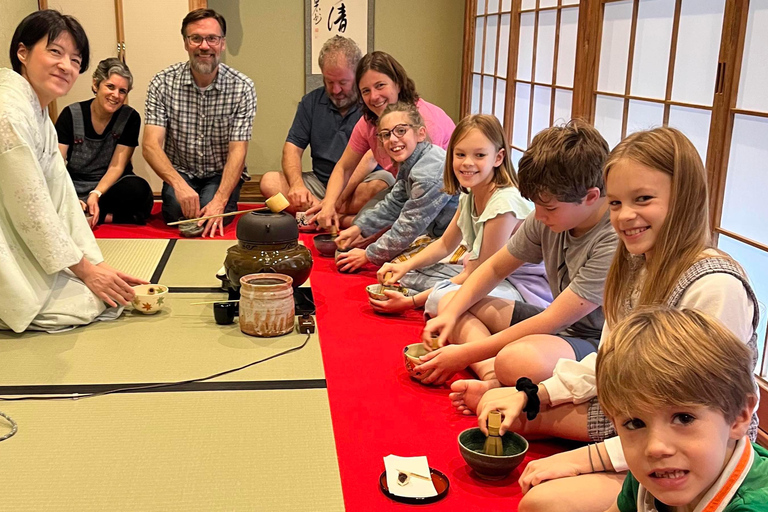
column 199, row 123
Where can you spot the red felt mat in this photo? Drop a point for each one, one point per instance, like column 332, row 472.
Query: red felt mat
column 156, row 228
column 378, row 410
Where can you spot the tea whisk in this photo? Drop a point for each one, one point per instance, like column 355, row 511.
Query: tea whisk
column 493, row 443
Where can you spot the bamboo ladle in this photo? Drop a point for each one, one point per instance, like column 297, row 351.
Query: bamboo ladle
column 275, row 204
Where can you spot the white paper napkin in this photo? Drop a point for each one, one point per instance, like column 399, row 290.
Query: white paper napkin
column 416, row 487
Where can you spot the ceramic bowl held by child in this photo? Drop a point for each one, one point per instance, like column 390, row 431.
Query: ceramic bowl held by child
column 411, row 354
column 376, row 291
column 150, row 298
column 492, row 467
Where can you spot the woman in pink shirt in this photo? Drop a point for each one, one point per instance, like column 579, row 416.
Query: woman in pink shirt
column 380, row 81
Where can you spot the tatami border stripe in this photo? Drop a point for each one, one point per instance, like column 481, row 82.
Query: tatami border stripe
column 163, row 261
column 196, row 289
column 67, row 389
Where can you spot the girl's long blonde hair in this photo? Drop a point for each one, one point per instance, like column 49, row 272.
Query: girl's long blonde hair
column 683, row 235
column 504, row 175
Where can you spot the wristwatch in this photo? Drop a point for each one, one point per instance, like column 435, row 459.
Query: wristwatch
column 94, row 191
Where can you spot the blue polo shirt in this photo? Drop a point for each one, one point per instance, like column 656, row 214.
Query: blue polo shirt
column 319, row 124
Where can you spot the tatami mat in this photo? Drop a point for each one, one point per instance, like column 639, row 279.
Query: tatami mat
column 138, row 258
column 206, row 451
column 194, row 263
column 180, row 342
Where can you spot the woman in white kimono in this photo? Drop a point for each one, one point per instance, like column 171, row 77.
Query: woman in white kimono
column 52, row 273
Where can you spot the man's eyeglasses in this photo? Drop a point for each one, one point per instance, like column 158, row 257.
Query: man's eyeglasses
column 197, row 40
column 399, row 130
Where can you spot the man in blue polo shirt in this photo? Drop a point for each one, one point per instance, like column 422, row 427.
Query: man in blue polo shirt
column 324, row 120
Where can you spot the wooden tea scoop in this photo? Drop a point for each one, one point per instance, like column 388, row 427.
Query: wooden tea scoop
column 493, row 444
column 275, row 204
column 404, row 476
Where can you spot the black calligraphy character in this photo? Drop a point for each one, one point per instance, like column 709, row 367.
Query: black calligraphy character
column 341, row 20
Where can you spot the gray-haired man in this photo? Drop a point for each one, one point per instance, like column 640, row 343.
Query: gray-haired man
column 324, row 120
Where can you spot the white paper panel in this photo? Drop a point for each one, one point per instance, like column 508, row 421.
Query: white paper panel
column 480, row 7
column 545, row 47
column 547, row 3
column 566, row 54
column 503, row 45
column 491, row 28
column 745, row 209
column 644, row 115
column 487, row 107
column 525, row 52
column 520, row 124
column 755, row 263
column 754, row 71
column 506, row 5
column 608, row 115
column 563, row 105
column 477, row 63
column 528, row 4
column 542, row 105
column 570, row 2
column 614, row 47
column 501, row 91
column 694, row 123
column 516, row 156
column 651, row 60
column 696, row 60
column 475, row 108
column 493, row 6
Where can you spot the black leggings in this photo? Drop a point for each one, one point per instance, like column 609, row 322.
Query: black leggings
column 129, row 201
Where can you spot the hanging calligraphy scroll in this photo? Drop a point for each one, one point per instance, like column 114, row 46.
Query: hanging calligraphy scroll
column 327, row 18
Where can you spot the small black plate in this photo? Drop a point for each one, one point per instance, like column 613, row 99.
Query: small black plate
column 439, row 480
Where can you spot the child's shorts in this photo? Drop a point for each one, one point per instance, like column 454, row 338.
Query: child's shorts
column 582, row 347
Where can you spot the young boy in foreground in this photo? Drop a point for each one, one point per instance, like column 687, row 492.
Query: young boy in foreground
column 679, row 389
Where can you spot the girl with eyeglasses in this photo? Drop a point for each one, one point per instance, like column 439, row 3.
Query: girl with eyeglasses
column 490, row 209
column 416, row 204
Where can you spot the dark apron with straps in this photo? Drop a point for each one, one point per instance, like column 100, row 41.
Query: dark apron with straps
column 90, row 158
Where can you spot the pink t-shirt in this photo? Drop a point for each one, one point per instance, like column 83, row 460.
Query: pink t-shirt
column 439, row 127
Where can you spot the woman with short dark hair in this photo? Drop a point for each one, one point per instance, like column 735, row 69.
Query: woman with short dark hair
column 53, row 275
column 97, row 138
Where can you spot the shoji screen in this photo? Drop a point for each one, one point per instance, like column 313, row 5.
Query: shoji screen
column 523, row 64
column 491, row 57
column 743, row 226
column 656, row 68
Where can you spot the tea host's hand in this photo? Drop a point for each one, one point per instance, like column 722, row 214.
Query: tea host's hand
column 396, row 303
column 440, row 325
column 351, row 260
column 445, row 362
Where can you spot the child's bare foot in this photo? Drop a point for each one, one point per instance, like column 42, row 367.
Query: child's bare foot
column 108, row 218
column 466, row 394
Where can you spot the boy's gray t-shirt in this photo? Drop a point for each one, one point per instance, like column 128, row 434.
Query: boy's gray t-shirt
column 579, row 263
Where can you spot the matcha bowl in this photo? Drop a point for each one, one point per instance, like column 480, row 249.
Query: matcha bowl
column 492, row 467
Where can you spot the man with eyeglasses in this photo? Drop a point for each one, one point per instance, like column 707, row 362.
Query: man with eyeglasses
column 325, row 120
column 198, row 121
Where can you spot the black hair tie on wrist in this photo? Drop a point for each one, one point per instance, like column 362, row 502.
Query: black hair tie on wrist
column 531, row 390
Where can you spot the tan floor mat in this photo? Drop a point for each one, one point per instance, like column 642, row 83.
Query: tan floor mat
column 138, row 258
column 180, row 342
column 193, row 451
column 194, row 263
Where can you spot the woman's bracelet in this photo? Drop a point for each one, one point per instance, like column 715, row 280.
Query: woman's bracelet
column 597, row 449
column 413, row 298
column 94, row 191
column 589, row 451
